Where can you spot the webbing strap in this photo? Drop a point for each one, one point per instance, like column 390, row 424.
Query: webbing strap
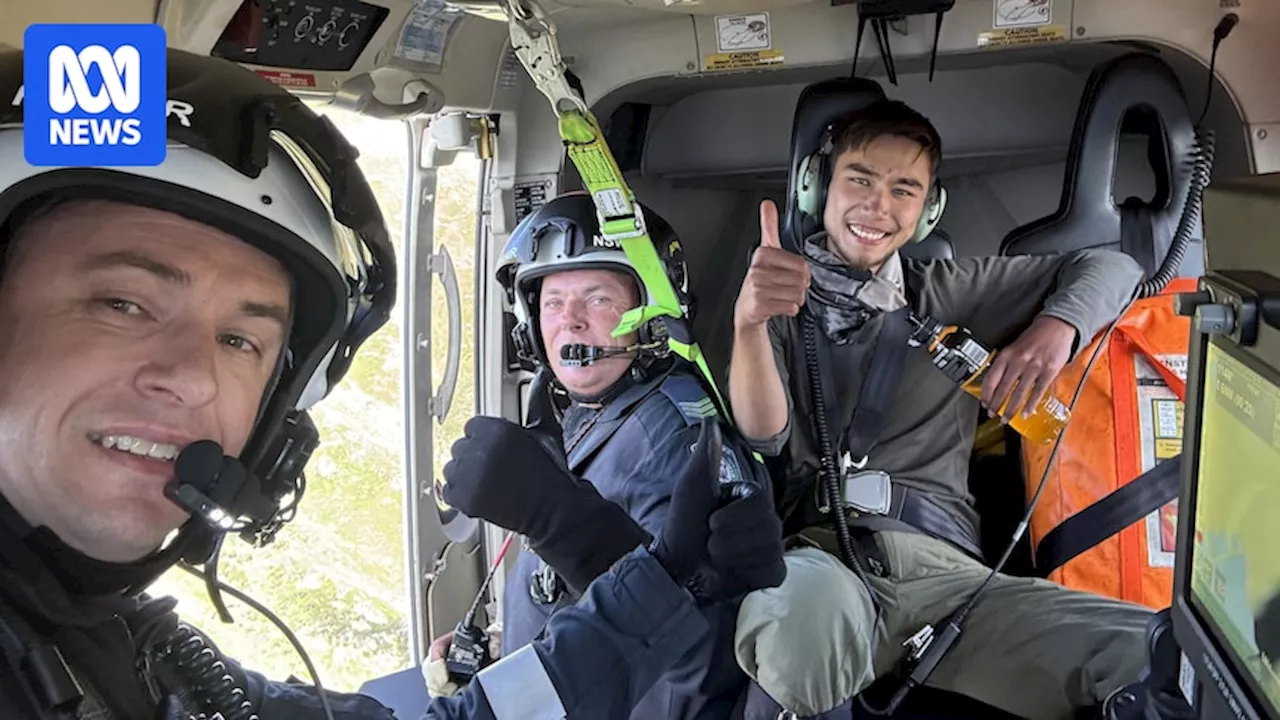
column 1123, row 507
column 861, row 432
column 879, row 386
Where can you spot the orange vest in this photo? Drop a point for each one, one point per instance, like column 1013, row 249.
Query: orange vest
column 1128, row 418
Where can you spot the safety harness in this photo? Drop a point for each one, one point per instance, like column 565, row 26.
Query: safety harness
column 909, row 510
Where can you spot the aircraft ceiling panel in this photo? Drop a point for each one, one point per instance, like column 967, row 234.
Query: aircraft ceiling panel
column 378, row 55
column 586, row 12
column 375, row 55
column 18, row 14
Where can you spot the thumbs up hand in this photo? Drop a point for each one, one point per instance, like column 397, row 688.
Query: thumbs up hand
column 777, row 280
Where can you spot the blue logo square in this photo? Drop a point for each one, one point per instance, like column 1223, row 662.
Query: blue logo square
column 94, row 95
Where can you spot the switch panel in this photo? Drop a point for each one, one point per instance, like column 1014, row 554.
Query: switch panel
column 322, row 35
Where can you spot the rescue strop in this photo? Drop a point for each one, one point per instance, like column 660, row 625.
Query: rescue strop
column 1106, row 522
column 533, row 38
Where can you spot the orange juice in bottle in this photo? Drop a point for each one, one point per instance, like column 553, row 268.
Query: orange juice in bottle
column 962, row 358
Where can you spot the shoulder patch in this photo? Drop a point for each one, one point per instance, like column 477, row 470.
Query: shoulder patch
column 690, row 399
column 732, row 474
column 730, row 470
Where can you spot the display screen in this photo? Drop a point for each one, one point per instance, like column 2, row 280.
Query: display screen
column 1235, row 560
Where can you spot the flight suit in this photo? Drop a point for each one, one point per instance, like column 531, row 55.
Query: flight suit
column 597, row 659
column 53, row 597
column 633, row 449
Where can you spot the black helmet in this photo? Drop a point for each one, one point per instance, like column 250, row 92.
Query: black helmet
column 564, row 234
column 250, row 159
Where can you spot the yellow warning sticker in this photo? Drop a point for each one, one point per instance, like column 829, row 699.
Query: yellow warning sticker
column 1022, row 36
column 741, row 60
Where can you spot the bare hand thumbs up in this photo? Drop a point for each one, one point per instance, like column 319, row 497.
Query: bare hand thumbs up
column 769, row 236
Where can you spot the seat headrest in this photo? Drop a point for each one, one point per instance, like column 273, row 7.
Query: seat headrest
column 820, row 105
column 1087, row 215
column 937, row 246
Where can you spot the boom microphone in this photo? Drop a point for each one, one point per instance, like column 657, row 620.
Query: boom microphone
column 579, row 355
column 216, row 487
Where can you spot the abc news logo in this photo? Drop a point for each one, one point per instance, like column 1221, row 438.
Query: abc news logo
column 121, row 90
column 96, row 95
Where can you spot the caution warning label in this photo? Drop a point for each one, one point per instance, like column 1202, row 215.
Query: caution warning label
column 742, row 60
column 1160, row 417
column 288, row 79
column 1022, row 36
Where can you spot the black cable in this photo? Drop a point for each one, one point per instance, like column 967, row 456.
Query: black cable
column 293, row 640
column 1044, row 477
column 1220, row 33
column 202, row 674
column 211, row 582
column 1203, row 150
column 826, row 454
column 1202, row 153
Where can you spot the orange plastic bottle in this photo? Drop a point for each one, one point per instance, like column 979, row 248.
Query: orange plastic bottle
column 965, row 360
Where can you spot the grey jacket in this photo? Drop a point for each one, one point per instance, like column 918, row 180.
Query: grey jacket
column 928, row 437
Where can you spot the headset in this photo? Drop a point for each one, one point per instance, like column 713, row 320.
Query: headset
column 814, row 176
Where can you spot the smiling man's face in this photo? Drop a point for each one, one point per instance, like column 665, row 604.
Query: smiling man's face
column 875, row 198
column 125, row 334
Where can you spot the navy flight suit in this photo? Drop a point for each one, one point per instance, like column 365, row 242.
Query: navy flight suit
column 633, row 449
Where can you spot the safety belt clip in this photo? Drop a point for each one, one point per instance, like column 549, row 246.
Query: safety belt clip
column 847, row 463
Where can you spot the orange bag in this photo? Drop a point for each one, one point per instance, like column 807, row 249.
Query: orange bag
column 1128, row 417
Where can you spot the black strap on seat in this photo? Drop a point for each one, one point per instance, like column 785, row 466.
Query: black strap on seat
column 1137, row 235
column 1121, row 508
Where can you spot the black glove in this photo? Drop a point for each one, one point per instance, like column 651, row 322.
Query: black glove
column 719, row 541
column 503, row 474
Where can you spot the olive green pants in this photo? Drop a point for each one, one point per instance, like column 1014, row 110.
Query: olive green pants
column 1030, row 647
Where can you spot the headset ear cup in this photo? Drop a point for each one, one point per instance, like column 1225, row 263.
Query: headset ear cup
column 522, row 338
column 934, row 204
column 807, row 187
